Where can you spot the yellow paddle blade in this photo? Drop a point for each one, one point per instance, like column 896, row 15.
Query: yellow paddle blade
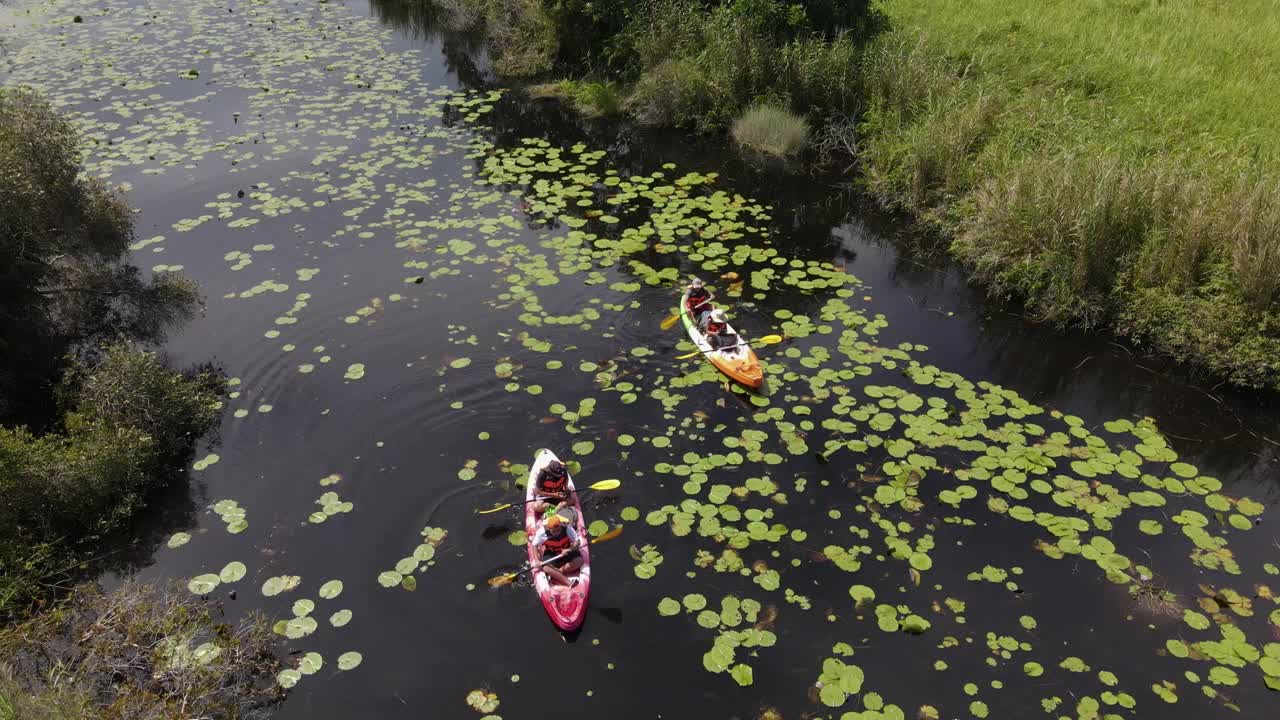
column 686, row 356
column 607, row 536
column 607, row 485
column 502, row 580
column 770, row 339
column 493, row 509
column 669, row 321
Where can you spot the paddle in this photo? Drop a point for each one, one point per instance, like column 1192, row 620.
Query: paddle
column 602, row 485
column 766, row 340
column 506, row 579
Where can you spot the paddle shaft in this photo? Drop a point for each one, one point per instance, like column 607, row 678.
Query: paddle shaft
column 546, row 562
column 543, row 497
column 554, row 559
column 704, row 352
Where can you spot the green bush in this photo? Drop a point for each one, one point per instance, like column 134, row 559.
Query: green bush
column 593, row 99
column 63, row 238
column 820, row 76
column 771, row 130
column 522, row 37
column 131, row 421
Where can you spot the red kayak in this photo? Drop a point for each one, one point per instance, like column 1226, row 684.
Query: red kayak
column 567, row 606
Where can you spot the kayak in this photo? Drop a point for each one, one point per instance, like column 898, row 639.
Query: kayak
column 565, row 605
column 739, row 363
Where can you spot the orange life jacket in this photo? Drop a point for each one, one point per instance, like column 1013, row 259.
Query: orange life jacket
column 550, row 484
column 556, row 545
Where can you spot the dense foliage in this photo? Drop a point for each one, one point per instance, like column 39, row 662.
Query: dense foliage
column 93, row 426
column 63, row 236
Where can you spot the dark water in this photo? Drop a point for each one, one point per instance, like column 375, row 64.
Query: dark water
column 398, row 441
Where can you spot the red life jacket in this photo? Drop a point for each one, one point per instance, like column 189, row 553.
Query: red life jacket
column 556, row 545
column 714, row 328
column 696, row 299
column 550, row 484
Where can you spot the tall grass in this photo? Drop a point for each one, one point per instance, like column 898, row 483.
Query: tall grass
column 771, row 130
column 1107, row 163
column 1171, row 76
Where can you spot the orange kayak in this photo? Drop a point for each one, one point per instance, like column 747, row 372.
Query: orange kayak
column 739, row 362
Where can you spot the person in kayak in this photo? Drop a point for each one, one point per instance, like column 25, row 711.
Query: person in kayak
column 718, row 333
column 719, row 336
column 699, row 302
column 556, row 537
column 552, row 487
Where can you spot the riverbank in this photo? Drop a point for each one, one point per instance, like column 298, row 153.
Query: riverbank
column 1082, row 159
column 92, row 431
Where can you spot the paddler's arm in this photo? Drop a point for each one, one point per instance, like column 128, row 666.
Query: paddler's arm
column 539, row 540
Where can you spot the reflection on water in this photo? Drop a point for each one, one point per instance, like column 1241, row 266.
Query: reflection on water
column 455, row 37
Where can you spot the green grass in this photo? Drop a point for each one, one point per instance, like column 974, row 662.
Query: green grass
column 771, row 130
column 1180, row 76
column 1110, row 164
column 592, row 99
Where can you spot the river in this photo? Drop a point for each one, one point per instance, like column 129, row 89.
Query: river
column 415, row 279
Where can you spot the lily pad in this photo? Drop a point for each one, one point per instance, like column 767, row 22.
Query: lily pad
column 349, row 660
column 233, row 572
column 331, row 589
column 203, row 584
column 310, row 663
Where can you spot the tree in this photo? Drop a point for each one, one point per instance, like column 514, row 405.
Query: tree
column 64, row 285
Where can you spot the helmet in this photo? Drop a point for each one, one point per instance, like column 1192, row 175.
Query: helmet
column 554, row 521
column 718, row 315
column 555, row 468
column 695, row 284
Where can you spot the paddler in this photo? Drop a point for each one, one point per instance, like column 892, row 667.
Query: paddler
column 719, row 336
column 699, row 302
column 552, row 487
column 556, row 537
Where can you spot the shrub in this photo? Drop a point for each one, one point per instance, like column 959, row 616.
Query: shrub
column 63, row 237
column 522, row 37
column 673, row 93
column 771, row 130
column 592, row 99
column 131, row 420
column 923, row 165
column 819, row 75
column 1250, row 214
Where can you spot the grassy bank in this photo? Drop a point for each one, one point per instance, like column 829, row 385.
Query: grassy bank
column 1110, row 164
